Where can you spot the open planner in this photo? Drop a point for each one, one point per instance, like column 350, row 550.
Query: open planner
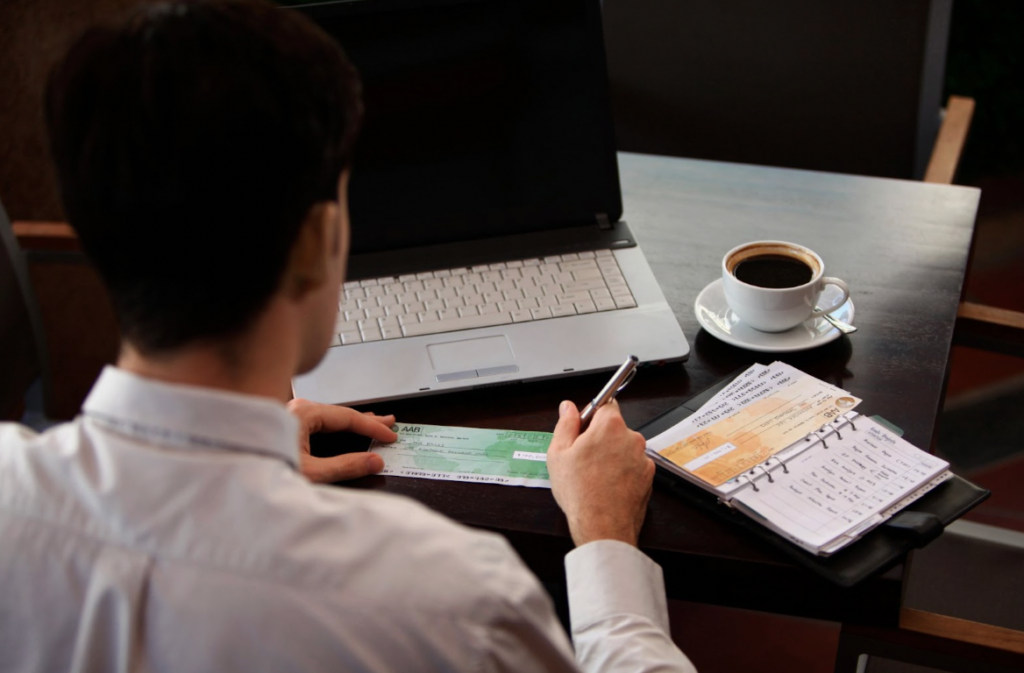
column 788, row 451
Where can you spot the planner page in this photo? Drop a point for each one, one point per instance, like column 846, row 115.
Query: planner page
column 838, row 489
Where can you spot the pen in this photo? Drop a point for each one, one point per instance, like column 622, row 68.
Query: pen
column 619, row 380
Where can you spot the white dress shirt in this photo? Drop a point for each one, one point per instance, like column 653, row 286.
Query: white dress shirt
column 167, row 529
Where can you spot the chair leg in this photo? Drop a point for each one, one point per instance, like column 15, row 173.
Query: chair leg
column 849, row 652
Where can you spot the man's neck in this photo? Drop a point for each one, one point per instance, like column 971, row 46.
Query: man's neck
column 259, row 362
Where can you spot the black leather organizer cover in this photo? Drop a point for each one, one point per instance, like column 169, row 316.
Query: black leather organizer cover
column 878, row 550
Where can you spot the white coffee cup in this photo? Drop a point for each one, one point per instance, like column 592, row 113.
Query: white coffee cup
column 759, row 302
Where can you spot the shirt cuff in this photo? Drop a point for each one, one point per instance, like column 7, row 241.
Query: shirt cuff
column 606, row 578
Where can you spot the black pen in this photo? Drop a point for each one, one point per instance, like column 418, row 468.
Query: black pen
column 619, row 380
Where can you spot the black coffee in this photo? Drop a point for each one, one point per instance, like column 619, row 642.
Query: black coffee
column 774, row 271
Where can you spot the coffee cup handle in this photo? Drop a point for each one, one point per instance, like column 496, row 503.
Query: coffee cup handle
column 846, row 295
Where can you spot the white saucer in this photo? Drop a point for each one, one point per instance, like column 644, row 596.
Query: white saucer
column 715, row 316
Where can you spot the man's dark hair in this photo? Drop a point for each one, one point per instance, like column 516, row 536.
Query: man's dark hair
column 190, row 143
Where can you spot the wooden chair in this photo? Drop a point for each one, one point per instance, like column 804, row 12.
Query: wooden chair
column 76, row 314
column 22, row 348
column 964, row 599
column 963, row 609
column 977, row 326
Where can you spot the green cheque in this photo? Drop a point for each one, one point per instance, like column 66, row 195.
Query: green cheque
column 506, row 457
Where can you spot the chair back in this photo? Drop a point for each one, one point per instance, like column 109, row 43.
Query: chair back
column 22, row 353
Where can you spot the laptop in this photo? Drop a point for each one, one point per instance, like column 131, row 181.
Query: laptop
column 487, row 241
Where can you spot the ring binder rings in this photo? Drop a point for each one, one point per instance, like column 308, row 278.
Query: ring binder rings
column 911, row 521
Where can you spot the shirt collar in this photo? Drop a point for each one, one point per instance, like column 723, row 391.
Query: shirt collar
column 192, row 417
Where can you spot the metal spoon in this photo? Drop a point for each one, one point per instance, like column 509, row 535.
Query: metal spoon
column 843, row 327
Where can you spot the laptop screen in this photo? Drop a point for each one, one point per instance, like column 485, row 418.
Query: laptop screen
column 483, row 118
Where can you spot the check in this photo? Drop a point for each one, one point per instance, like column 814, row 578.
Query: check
column 764, row 411
column 506, row 457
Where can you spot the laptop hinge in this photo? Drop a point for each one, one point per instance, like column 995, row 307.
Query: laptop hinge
column 602, row 222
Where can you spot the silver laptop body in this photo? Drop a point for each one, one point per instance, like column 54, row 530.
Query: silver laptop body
column 484, row 190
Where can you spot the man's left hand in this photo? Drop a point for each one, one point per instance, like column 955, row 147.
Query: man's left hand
column 315, row 417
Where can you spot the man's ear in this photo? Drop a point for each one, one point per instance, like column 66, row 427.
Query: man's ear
column 313, row 248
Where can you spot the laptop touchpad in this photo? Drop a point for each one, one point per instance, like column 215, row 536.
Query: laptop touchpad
column 469, row 354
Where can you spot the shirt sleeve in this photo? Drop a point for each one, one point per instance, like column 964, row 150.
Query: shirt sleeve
column 618, row 611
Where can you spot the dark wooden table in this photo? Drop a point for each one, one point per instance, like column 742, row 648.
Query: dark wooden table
column 902, row 247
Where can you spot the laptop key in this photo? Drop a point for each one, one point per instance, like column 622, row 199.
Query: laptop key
column 521, row 315
column 579, row 265
column 562, row 310
column 585, row 274
column 578, row 285
column 605, row 304
column 573, row 297
column 620, row 291
column 350, row 338
column 455, row 324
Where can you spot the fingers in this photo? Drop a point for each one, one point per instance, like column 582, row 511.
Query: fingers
column 568, row 427
column 331, row 418
column 375, row 427
column 609, row 414
column 341, row 468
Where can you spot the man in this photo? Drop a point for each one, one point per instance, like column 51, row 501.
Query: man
column 202, row 150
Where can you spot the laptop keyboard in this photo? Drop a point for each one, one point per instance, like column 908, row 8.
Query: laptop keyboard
column 486, row 295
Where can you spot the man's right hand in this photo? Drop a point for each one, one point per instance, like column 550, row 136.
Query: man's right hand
column 601, row 479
